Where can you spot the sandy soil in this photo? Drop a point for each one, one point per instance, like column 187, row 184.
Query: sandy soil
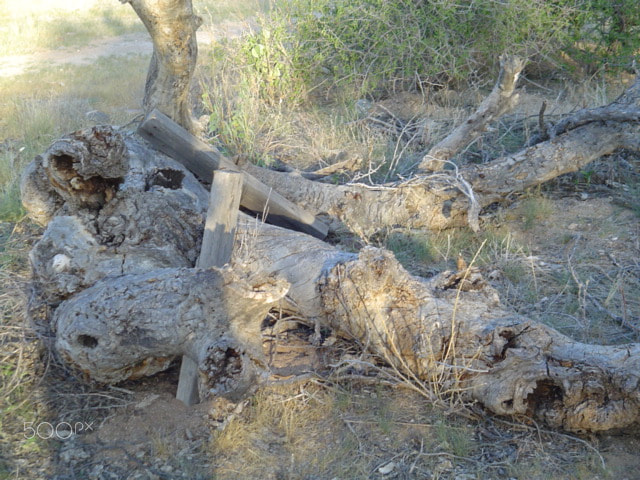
column 130, row 44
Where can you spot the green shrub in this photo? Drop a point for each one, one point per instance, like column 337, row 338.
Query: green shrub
column 377, row 46
column 245, row 98
column 606, row 34
column 269, row 58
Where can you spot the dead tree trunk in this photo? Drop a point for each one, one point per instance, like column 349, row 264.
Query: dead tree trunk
column 455, row 197
column 172, row 26
column 118, row 270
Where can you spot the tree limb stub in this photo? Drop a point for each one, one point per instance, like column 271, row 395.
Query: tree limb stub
column 122, row 324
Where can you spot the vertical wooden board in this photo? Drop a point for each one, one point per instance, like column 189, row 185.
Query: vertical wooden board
column 216, row 250
column 188, row 382
column 222, row 217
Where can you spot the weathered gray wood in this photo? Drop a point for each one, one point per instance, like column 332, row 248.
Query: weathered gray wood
column 188, row 382
column 501, row 99
column 216, row 250
column 222, row 218
column 127, row 325
column 202, row 159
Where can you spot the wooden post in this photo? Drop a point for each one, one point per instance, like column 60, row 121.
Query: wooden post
column 201, row 158
column 217, row 246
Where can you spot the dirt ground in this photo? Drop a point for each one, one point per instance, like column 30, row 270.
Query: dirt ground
column 130, row 44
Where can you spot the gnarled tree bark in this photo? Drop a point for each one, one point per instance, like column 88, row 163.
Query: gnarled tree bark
column 117, row 291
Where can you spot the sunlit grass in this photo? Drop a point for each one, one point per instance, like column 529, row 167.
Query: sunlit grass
column 38, row 107
column 216, row 11
column 27, row 27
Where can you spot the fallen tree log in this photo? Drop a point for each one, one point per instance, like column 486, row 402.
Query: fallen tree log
column 126, row 300
column 453, row 198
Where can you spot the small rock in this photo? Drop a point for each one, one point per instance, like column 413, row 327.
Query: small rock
column 573, row 226
column 584, row 196
column 445, row 465
column 74, row 454
column 60, row 263
column 388, row 468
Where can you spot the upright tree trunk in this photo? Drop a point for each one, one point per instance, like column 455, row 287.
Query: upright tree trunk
column 172, row 26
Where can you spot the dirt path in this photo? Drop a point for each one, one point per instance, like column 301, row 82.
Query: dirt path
column 130, row 44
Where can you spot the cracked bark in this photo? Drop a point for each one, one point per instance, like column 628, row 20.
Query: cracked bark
column 126, row 299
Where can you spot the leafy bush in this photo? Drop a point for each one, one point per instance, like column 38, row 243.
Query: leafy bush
column 377, row 46
column 269, row 57
column 606, row 33
column 383, row 45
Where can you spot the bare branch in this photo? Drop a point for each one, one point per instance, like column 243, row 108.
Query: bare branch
column 500, row 100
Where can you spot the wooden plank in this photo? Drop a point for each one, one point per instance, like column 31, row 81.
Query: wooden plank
column 201, row 159
column 216, row 250
column 222, row 217
column 187, row 391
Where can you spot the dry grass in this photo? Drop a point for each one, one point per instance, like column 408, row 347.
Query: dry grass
column 26, row 27
column 352, row 430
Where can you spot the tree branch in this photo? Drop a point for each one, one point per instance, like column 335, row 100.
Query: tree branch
column 501, row 99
